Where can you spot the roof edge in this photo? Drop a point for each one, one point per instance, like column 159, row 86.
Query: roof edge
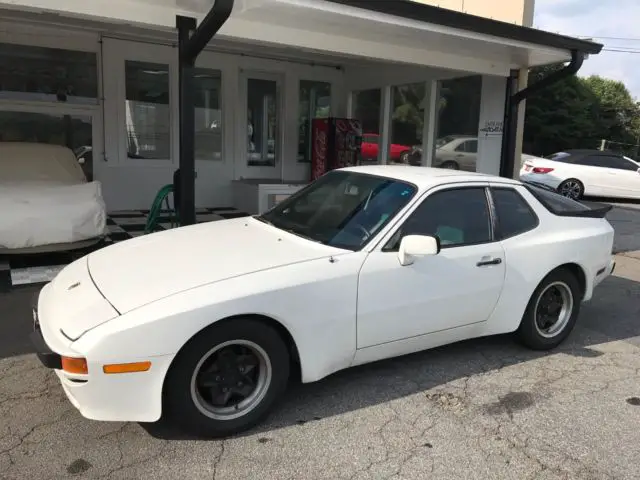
column 414, row 10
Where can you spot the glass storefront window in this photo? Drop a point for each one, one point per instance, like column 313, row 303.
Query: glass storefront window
column 459, row 116
column 148, row 119
column 262, row 122
column 48, row 74
column 208, row 122
column 315, row 102
column 73, row 131
column 366, row 108
column 407, row 123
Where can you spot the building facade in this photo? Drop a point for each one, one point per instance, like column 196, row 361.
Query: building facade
column 101, row 77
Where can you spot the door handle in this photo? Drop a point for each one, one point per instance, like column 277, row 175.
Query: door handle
column 490, row 261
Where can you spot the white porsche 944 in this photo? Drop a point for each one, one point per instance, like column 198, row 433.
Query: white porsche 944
column 205, row 324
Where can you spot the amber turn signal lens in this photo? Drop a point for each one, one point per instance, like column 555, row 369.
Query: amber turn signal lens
column 126, row 367
column 76, row 366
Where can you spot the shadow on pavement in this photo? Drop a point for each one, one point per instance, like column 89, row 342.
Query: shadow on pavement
column 611, row 315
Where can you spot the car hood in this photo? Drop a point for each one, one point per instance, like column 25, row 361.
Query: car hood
column 139, row 271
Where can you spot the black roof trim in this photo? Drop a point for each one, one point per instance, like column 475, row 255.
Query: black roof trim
column 414, row 10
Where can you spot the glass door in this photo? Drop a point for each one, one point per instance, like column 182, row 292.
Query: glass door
column 261, row 125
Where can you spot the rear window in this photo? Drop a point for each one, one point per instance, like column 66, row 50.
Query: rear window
column 559, row 157
column 556, row 203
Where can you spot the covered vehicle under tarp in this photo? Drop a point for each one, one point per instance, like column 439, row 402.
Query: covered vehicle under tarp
column 45, row 199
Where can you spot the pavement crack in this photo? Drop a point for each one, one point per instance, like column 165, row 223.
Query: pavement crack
column 218, row 460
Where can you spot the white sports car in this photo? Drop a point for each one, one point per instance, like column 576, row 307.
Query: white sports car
column 578, row 173
column 205, row 324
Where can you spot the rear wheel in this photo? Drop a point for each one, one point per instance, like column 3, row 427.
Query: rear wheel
column 571, row 188
column 552, row 311
column 226, row 379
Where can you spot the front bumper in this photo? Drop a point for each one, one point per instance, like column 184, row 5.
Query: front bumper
column 130, row 397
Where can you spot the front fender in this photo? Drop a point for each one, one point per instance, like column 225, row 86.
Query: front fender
column 315, row 301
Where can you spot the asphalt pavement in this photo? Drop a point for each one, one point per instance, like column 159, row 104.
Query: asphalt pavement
column 483, row 409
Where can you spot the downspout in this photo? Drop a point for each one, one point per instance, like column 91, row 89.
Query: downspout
column 507, row 162
column 192, row 39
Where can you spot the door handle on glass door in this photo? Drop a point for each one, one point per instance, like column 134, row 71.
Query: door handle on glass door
column 485, row 262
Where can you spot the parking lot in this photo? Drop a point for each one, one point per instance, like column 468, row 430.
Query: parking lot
column 484, row 409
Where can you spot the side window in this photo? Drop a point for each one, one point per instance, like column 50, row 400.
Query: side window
column 462, row 147
column 472, row 146
column 620, row 163
column 459, row 216
column 603, row 161
column 515, row 216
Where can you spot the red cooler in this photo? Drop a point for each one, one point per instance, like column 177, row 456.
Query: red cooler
column 336, row 144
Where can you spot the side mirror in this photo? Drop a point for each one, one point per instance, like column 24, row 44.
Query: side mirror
column 417, row 246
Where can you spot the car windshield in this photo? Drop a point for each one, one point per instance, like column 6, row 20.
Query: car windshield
column 341, row 209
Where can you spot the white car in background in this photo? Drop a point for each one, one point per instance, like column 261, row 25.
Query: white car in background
column 578, row 173
column 365, row 263
column 457, row 152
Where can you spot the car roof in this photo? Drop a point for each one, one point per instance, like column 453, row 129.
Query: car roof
column 425, row 177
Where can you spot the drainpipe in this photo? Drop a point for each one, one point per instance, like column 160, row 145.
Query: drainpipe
column 514, row 98
column 192, row 39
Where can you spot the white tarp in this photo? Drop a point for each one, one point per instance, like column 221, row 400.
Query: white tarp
column 40, row 213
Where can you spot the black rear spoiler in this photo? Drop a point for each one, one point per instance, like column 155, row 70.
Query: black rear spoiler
column 591, row 209
column 596, row 210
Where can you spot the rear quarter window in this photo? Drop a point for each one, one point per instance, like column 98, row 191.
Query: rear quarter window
column 514, row 214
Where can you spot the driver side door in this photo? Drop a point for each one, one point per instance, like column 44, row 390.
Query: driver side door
column 459, row 286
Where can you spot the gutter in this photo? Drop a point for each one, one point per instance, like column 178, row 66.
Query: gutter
column 513, row 100
column 192, row 39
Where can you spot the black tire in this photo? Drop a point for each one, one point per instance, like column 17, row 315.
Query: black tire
column 530, row 333
column 571, row 188
column 183, row 403
column 451, row 165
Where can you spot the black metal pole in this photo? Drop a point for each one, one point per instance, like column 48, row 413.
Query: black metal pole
column 509, row 128
column 191, row 41
column 186, row 208
column 515, row 97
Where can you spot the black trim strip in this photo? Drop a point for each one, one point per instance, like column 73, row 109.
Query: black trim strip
column 414, row 10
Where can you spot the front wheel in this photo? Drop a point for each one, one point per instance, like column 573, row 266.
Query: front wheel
column 227, row 378
column 571, row 188
column 551, row 312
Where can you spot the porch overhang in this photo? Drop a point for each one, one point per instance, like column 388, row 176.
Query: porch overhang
column 398, row 31
column 401, row 31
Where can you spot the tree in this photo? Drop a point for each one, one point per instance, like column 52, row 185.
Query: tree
column 579, row 113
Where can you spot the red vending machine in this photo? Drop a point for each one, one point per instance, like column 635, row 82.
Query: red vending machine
column 336, row 143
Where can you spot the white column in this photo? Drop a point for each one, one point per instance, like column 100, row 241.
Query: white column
column 492, row 105
column 386, row 107
column 431, row 117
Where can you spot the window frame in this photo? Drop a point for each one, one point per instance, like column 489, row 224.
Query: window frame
column 498, row 230
column 385, row 242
